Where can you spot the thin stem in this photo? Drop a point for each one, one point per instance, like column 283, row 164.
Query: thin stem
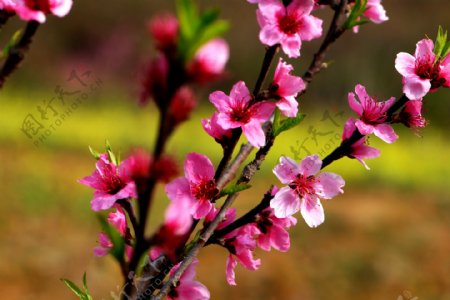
column 17, row 52
column 249, row 217
column 334, row 32
column 229, row 148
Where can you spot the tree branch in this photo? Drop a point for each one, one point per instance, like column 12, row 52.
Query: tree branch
column 17, row 52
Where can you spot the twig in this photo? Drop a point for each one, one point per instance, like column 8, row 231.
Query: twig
column 17, row 52
column 4, row 17
column 334, row 32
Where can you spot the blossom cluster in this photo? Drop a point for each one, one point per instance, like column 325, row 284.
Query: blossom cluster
column 193, row 196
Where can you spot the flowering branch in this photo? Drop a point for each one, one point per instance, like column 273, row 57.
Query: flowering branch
column 17, row 53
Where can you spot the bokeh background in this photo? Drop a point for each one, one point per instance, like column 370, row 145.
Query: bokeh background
column 386, row 237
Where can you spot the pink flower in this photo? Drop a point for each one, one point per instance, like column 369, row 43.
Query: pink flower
column 289, row 25
column 111, row 183
column 411, row 115
column 304, row 189
column 230, row 215
column 237, row 110
column 421, row 72
column 36, row 10
column 375, row 12
column 372, row 115
column 182, row 104
column 8, row 5
column 164, row 29
column 209, row 61
column 118, row 220
column 105, row 245
column 241, row 243
column 212, row 127
column 286, row 87
column 273, row 230
column 188, row 288
column 358, row 150
column 198, row 185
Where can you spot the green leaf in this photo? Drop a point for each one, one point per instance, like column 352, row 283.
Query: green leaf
column 112, row 157
column 188, row 17
column 74, row 288
column 353, row 19
column 11, row 43
column 288, row 124
column 94, row 153
column 440, row 43
column 234, row 189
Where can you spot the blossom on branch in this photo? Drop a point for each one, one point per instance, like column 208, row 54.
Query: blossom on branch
column 198, row 185
column 188, row 288
column 411, row 115
column 287, row 26
column 285, row 87
column 164, row 30
column 359, row 150
column 209, row 62
column 304, row 189
column 373, row 114
column 111, row 183
column 105, row 245
column 36, row 10
column 423, row 72
column 237, row 110
column 212, row 127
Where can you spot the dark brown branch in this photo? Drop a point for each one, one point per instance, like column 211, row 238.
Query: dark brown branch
column 17, row 52
column 334, row 32
column 4, row 17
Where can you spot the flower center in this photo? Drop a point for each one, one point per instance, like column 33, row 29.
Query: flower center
column 206, row 190
column 240, row 114
column 289, row 24
column 373, row 112
column 303, row 185
column 263, row 222
column 38, row 5
column 426, row 71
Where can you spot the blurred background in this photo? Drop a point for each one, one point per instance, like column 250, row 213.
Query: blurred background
column 385, row 238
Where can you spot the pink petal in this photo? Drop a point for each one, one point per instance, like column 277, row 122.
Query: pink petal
column 102, row 201
column 424, row 52
column 349, row 128
column 354, row 104
column 291, row 45
column 288, row 107
column 303, row 7
column 385, row 132
column 285, row 203
column 178, row 217
column 415, row 88
column 363, row 128
column 240, row 94
column 405, row 64
column 376, row 13
column 254, row 134
column 312, row 211
column 363, row 96
column 262, row 111
column 280, row 238
column 329, row 185
column 193, row 291
column 286, row 170
column 198, row 168
column 310, row 165
column 229, row 270
column 178, row 188
column 221, row 101
column 270, row 35
column 201, row 208
column 311, row 28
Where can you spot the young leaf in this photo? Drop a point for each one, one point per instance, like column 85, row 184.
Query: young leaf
column 74, row 288
column 234, row 189
column 216, row 29
column 94, row 153
column 188, row 17
column 288, row 124
column 13, row 41
column 353, row 19
column 440, row 43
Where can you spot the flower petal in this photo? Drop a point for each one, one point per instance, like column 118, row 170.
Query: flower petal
column 254, row 133
column 312, row 211
column 405, row 64
column 310, row 165
column 286, row 170
column 385, row 132
column 198, row 168
column 329, row 185
column 285, row 203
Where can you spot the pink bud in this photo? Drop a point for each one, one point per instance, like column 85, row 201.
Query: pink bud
column 182, row 104
column 209, row 61
column 164, row 29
